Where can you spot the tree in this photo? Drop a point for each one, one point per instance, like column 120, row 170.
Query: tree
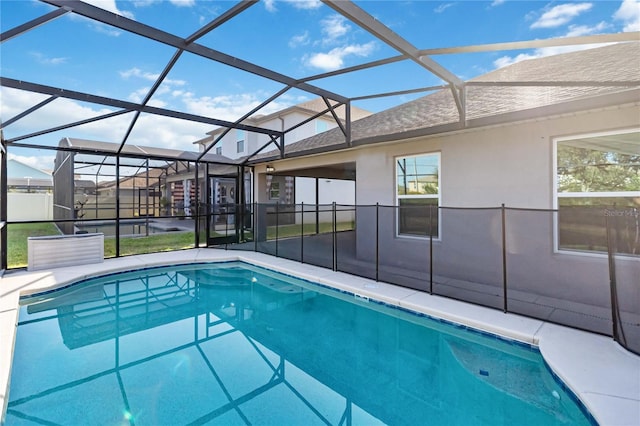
column 588, row 170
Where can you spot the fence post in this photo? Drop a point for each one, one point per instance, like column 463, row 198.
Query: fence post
column 430, row 249
column 335, row 240
column 611, row 249
column 117, row 237
column 255, row 226
column 504, row 259
column 302, row 232
column 226, row 227
column 377, row 240
column 277, row 224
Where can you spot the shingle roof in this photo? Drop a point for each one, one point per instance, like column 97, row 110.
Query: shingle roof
column 312, row 107
column 317, row 105
column 617, row 62
column 110, row 148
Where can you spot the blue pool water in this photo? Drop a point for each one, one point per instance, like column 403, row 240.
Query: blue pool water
column 235, row 344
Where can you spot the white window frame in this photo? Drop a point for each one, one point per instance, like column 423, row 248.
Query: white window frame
column 240, row 139
column 218, row 150
column 557, row 195
column 398, row 197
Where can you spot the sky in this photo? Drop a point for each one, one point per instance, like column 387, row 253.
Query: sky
column 295, row 38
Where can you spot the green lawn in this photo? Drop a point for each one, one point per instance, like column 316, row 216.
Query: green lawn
column 17, row 234
column 151, row 244
column 285, row 231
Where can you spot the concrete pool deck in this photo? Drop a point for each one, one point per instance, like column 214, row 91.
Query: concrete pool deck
column 601, row 373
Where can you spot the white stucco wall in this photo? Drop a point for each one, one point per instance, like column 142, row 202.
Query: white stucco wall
column 510, row 164
column 507, row 164
column 255, row 141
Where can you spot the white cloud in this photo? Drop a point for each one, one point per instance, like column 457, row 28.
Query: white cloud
column 41, row 58
column 137, row 72
column 299, row 40
column 561, row 14
column 144, row 3
column 138, row 95
column 41, row 162
column 497, row 3
column 334, row 59
column 145, row 75
column 110, row 5
column 183, row 3
column 629, row 14
column 574, row 31
column 227, row 107
column 443, row 7
column 150, row 130
column 168, row 133
column 334, row 27
column 179, row 3
column 270, row 5
column 540, row 53
column 305, row 4
column 581, row 30
column 59, row 112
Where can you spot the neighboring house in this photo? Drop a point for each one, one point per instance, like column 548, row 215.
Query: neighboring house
column 238, row 144
column 29, row 192
column 22, row 177
column 521, row 145
column 86, row 185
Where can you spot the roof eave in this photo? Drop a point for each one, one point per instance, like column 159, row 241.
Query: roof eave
column 592, row 103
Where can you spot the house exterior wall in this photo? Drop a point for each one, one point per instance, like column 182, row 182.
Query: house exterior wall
column 510, row 164
column 254, row 141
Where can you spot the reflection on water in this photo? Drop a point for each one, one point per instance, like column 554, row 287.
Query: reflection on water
column 236, row 344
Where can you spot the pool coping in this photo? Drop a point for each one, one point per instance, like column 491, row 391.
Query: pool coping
column 602, row 374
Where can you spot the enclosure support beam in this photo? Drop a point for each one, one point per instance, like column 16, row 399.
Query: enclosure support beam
column 3, row 203
column 204, row 30
column 116, row 103
column 209, row 200
column 337, row 119
column 400, row 92
column 134, row 27
column 272, row 141
column 357, row 15
column 196, row 221
column 146, row 208
column 67, row 126
column 117, row 206
column 321, row 113
column 244, row 117
column 347, row 118
column 27, row 112
column 28, row 26
column 149, row 95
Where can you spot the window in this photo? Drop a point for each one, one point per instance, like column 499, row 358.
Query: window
column 219, row 150
column 274, row 191
column 239, row 141
column 418, row 194
column 597, row 183
column 321, row 126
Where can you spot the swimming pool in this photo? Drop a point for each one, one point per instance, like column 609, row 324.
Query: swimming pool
column 233, row 343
